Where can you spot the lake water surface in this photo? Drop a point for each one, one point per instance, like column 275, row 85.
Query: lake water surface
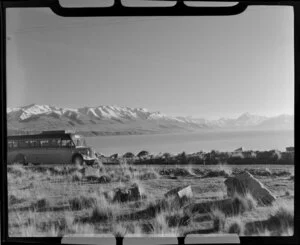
column 193, row 142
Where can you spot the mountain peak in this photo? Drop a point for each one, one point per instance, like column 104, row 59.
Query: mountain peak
column 245, row 115
column 119, row 119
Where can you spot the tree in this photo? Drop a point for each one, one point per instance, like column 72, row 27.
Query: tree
column 128, row 155
column 143, row 154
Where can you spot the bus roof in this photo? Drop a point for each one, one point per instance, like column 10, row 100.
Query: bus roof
column 44, row 135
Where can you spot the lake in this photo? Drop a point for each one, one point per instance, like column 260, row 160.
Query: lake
column 193, row 142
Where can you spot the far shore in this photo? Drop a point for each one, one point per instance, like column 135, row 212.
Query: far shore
column 237, row 157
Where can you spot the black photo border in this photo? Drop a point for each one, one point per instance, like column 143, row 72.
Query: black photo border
column 179, row 9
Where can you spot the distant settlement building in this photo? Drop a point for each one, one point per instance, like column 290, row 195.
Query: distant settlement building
column 290, row 149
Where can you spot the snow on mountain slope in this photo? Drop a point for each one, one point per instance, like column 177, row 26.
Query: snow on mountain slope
column 126, row 120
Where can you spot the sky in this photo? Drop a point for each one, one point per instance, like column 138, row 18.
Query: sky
column 207, row 67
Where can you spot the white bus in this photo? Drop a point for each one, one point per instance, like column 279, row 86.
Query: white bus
column 49, row 147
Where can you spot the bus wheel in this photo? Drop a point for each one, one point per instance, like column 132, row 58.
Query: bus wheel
column 77, row 160
column 21, row 159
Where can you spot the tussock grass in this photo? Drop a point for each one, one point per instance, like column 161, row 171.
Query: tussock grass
column 95, row 212
column 17, row 170
column 178, row 172
column 82, row 202
column 241, row 204
column 159, row 226
column 13, row 199
column 41, row 204
column 216, row 173
column 219, row 218
column 119, row 230
column 100, row 214
column 236, row 226
column 77, row 176
column 282, row 217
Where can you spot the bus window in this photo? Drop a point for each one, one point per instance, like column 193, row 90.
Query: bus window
column 78, row 140
column 54, row 143
column 15, row 144
column 10, row 145
column 35, row 143
column 44, row 143
column 66, row 143
column 23, row 144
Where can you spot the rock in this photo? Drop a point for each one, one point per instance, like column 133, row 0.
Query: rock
column 180, row 194
column 244, row 183
column 126, row 194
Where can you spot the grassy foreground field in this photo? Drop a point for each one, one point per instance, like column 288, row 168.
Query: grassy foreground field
column 56, row 201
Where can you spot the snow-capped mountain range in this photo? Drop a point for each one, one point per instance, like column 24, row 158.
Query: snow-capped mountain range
column 103, row 120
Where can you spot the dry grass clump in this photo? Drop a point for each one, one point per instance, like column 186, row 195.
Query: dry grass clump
column 82, row 202
column 279, row 223
column 148, row 174
column 41, row 204
column 17, row 170
column 13, row 199
column 100, row 214
column 159, row 226
column 182, row 172
column 259, row 171
column 230, row 207
column 119, row 230
column 104, row 179
column 241, row 204
column 216, row 173
column 102, row 209
column 220, row 171
column 236, row 226
column 76, row 176
column 282, row 219
column 219, row 218
column 197, row 171
column 280, row 173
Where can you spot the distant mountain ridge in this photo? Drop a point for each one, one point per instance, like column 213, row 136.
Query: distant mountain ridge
column 103, row 120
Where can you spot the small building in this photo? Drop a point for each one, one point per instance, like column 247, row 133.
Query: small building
column 241, row 149
column 238, row 152
column 289, row 149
